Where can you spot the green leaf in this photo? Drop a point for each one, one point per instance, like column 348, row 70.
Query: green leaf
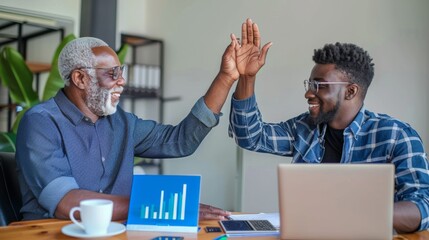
column 7, row 142
column 55, row 82
column 16, row 75
column 122, row 52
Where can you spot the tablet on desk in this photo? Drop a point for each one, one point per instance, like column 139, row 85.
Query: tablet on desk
column 168, row 238
column 248, row 227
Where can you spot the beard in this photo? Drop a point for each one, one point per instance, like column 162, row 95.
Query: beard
column 326, row 117
column 99, row 100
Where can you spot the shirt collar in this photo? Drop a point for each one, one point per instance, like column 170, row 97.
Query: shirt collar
column 357, row 123
column 68, row 108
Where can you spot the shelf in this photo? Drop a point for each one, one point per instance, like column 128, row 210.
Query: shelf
column 19, row 30
column 15, row 31
column 145, row 78
column 140, row 92
column 146, row 162
column 138, row 40
column 36, row 67
column 11, row 106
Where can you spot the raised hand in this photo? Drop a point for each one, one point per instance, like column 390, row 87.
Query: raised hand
column 228, row 65
column 242, row 61
column 249, row 56
column 218, row 91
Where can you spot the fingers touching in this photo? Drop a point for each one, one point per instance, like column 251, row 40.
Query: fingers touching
column 234, row 41
column 247, row 32
column 243, row 33
column 256, row 35
column 250, row 33
column 248, row 57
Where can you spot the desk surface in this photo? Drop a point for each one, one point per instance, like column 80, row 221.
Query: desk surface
column 51, row 229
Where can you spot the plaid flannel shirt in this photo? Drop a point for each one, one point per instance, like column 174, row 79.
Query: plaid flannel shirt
column 370, row 138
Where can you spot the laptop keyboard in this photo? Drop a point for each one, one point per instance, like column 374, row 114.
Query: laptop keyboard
column 262, row 225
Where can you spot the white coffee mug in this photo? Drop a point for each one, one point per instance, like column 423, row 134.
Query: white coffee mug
column 96, row 215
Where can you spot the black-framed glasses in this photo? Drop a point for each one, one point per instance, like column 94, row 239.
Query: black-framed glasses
column 114, row 72
column 314, row 86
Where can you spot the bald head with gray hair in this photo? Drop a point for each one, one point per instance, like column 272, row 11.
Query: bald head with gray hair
column 77, row 54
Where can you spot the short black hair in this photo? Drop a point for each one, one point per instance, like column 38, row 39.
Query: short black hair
column 350, row 59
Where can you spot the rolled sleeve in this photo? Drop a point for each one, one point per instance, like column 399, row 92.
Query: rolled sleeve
column 204, row 114
column 422, row 204
column 415, row 180
column 244, row 104
column 412, row 172
column 240, row 109
column 44, row 170
column 52, row 194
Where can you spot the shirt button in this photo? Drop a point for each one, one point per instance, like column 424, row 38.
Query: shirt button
column 101, row 191
column 103, row 159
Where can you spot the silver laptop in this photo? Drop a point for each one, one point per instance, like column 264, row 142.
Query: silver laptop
column 336, row 201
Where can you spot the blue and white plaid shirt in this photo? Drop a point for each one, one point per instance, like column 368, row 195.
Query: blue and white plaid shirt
column 370, row 138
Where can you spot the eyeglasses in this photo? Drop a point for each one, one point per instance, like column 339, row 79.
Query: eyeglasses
column 314, row 86
column 114, row 72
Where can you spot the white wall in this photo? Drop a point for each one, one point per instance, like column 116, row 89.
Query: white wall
column 65, row 8
column 196, row 32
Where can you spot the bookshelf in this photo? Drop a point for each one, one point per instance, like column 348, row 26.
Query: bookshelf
column 145, row 82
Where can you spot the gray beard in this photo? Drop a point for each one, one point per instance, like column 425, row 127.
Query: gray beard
column 99, row 100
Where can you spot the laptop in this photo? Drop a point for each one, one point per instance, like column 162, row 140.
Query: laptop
column 336, row 201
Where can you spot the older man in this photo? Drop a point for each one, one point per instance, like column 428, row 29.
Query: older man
column 81, row 144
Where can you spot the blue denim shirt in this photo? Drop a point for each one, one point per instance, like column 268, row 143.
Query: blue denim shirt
column 370, row 138
column 60, row 149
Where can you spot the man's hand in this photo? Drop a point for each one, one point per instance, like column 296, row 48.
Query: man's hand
column 249, row 57
column 228, row 66
column 73, row 198
column 208, row 212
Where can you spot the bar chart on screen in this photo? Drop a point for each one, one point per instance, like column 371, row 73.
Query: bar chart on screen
column 164, row 203
column 172, row 208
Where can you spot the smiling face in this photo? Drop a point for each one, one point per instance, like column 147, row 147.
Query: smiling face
column 327, row 104
column 103, row 91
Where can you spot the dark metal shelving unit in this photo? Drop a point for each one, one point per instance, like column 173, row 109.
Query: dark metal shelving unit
column 20, row 33
column 136, row 43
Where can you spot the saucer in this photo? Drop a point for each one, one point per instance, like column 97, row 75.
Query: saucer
column 74, row 230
